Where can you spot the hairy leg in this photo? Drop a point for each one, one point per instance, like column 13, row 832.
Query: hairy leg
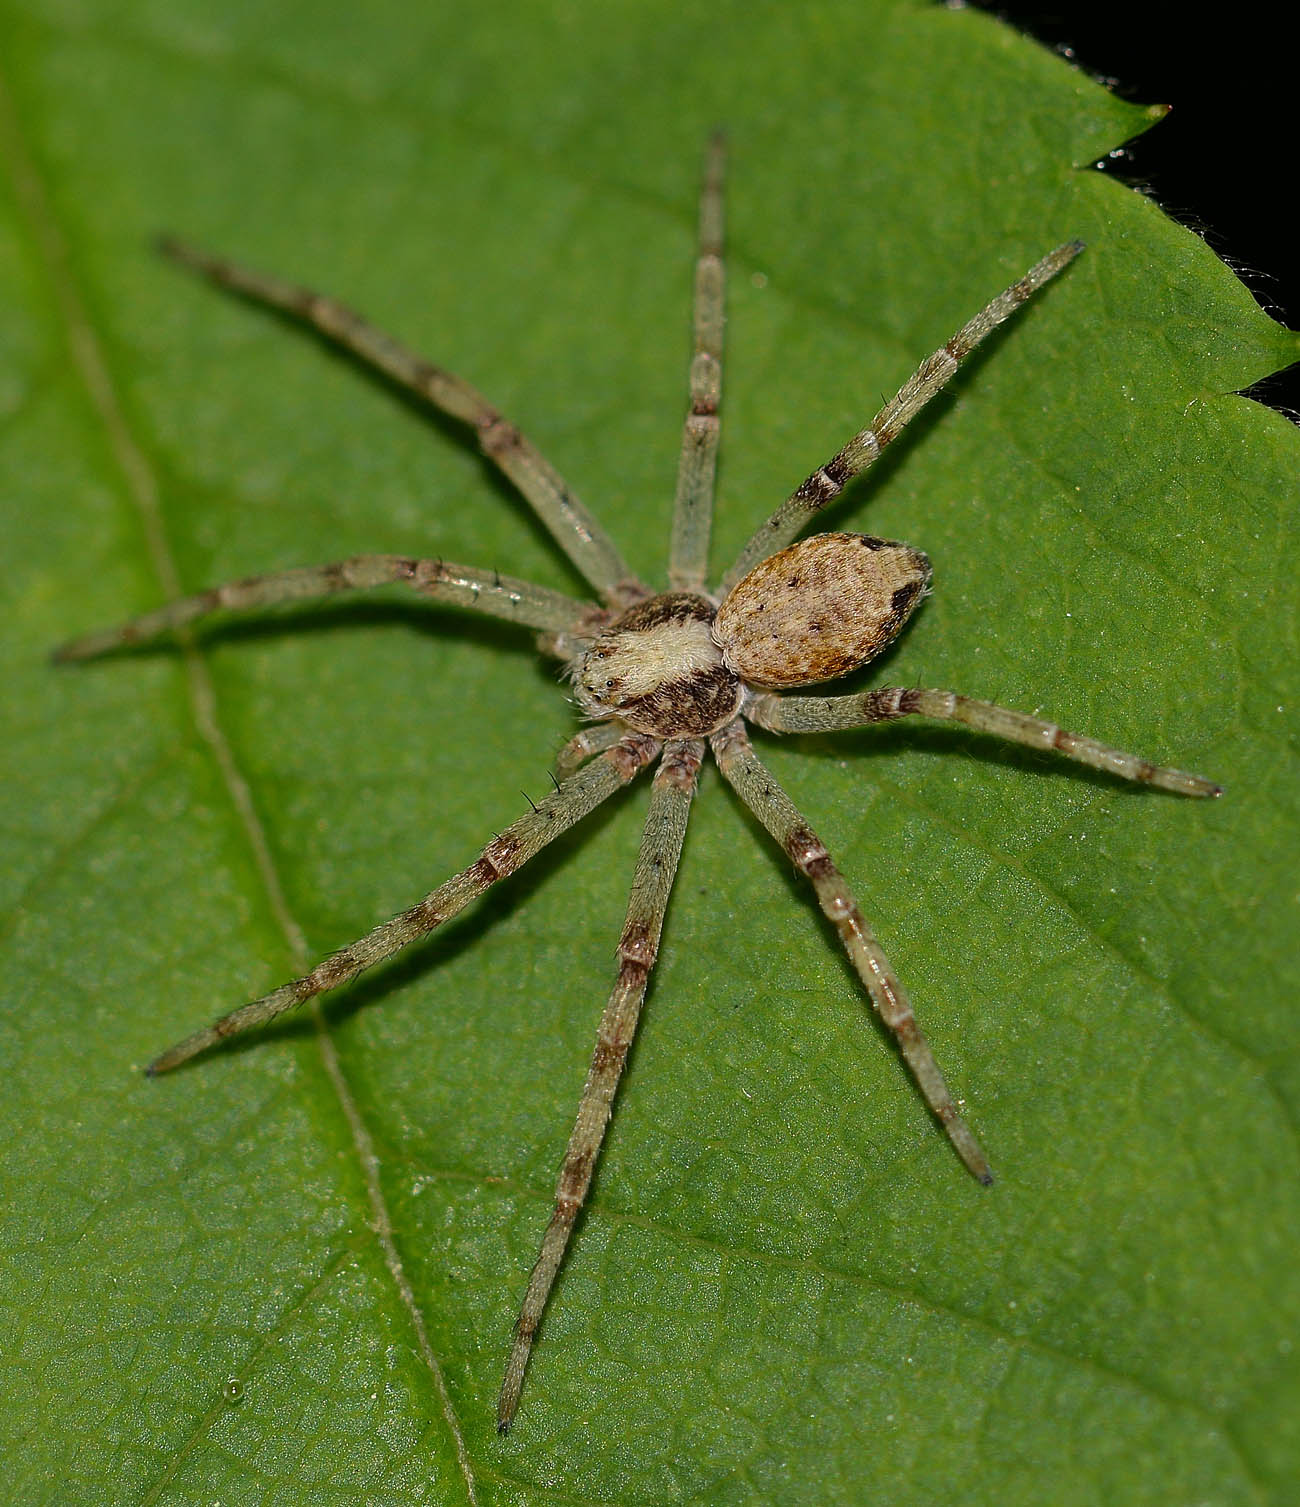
column 688, row 559
column 482, row 590
column 572, row 526
column 656, row 867
column 755, row 785
column 927, row 381
column 580, row 747
column 521, row 840
column 819, row 714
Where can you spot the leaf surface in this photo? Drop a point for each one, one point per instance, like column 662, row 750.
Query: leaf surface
column 785, row 1288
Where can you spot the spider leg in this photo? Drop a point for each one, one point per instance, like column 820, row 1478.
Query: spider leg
column 688, row 558
column 521, row 840
column 580, row 747
column 656, row 866
column 933, row 374
column 819, row 714
column 484, row 590
column 756, row 787
column 573, row 527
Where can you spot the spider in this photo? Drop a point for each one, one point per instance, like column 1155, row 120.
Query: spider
column 658, row 676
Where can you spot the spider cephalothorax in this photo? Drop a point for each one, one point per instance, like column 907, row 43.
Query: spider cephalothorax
column 658, row 668
column 659, row 674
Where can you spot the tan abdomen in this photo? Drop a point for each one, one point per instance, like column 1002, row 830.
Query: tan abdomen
column 819, row 609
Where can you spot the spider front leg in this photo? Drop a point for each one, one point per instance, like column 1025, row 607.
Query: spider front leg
column 755, row 785
column 521, row 840
column 823, row 714
column 638, row 946
column 688, row 554
column 571, row 525
column 483, row 590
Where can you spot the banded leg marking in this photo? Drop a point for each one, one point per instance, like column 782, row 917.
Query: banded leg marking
column 817, row 714
column 521, row 840
column 638, row 946
column 755, row 785
column 688, row 556
column 574, row 529
column 461, row 585
column 930, row 378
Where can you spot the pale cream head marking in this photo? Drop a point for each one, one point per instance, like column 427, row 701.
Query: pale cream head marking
column 658, row 668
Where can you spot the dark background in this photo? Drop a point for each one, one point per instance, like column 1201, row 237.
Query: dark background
column 1223, row 160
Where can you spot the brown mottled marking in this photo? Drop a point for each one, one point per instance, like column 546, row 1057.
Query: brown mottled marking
column 578, row 1168
column 909, row 701
column 637, row 944
column 838, row 470
column 631, row 753
column 819, row 609
column 632, row 974
column 605, row 1056
column 481, row 871
column 504, row 854
column 902, row 598
column 685, row 707
column 668, row 607
column 332, row 971
column 801, row 844
column 819, row 489
column 496, row 435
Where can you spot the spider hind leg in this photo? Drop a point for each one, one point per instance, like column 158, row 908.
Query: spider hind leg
column 522, row 839
column 638, row 947
column 750, row 779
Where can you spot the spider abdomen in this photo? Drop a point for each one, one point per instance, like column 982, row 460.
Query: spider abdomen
column 659, row 669
column 819, row 609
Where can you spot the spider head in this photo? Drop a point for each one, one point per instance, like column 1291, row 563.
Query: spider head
column 658, row 669
column 819, row 609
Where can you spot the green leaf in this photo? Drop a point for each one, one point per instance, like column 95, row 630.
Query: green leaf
column 785, row 1288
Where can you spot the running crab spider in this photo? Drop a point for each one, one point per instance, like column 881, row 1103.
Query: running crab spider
column 659, row 675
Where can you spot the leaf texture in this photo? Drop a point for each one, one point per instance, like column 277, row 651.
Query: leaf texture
column 785, row 1289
